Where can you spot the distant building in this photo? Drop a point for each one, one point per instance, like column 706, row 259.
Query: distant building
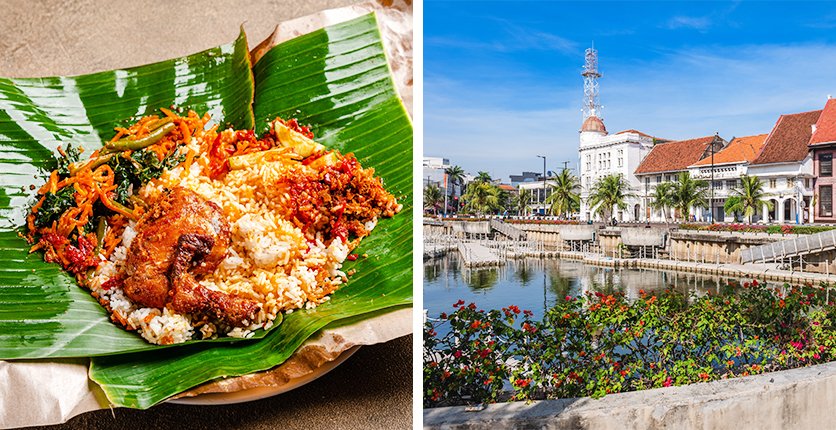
column 823, row 146
column 526, row 177
column 728, row 164
column 435, row 174
column 664, row 163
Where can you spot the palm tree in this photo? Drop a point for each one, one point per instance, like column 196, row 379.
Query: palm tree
column 609, row 192
column 688, row 192
column 565, row 197
column 455, row 175
column 433, row 198
column 482, row 197
column 748, row 198
column 483, row 177
column 521, row 200
column 662, row 198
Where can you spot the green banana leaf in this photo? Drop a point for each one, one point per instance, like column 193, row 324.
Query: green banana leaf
column 336, row 79
column 43, row 313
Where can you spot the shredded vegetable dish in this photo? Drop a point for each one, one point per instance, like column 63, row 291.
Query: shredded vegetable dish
column 186, row 232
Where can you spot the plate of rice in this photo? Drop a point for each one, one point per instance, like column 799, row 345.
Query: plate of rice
column 184, row 231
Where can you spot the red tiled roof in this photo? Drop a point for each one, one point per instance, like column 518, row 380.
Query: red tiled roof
column 632, row 130
column 787, row 142
column 507, row 187
column 674, row 156
column 739, row 150
column 826, row 125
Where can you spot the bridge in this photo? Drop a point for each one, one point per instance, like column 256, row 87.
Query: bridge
column 798, row 247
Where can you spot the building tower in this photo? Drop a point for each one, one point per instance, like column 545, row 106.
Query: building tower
column 590, row 83
column 593, row 126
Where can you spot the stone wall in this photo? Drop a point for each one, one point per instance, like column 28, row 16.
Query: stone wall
column 791, row 399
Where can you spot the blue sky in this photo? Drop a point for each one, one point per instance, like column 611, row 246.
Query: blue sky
column 502, row 80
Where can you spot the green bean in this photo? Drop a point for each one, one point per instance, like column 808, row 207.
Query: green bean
column 92, row 163
column 101, row 231
column 127, row 144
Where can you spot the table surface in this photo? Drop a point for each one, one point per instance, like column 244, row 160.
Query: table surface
column 373, row 389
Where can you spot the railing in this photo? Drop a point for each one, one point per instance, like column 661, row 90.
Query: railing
column 507, row 230
column 798, row 247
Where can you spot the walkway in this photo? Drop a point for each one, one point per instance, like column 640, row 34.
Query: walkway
column 800, row 246
column 474, row 254
column 508, row 230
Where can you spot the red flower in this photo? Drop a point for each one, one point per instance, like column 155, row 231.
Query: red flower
column 568, row 298
column 457, row 354
column 668, row 382
column 443, row 316
column 522, row 383
column 484, row 353
column 745, row 285
column 528, row 313
column 703, row 376
column 459, row 303
column 754, row 282
column 475, row 324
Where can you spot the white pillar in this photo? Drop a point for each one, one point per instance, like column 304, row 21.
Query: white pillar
column 765, row 217
column 780, row 211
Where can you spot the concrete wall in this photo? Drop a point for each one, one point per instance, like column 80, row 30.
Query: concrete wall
column 791, row 399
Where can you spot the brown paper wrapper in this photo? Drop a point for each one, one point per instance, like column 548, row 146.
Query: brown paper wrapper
column 52, row 392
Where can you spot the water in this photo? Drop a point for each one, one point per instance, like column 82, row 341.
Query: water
column 535, row 284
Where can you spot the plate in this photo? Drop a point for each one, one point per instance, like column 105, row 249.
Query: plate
column 211, row 399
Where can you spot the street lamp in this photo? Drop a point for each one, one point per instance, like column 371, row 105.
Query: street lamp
column 544, row 183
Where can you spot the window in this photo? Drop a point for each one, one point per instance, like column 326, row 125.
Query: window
column 807, row 183
column 826, row 164
column 620, row 162
column 730, row 184
column 670, row 177
column 789, row 183
column 718, row 185
column 659, row 179
column 647, row 182
column 826, row 200
column 773, row 183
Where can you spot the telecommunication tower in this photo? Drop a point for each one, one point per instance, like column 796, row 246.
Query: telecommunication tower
column 591, row 106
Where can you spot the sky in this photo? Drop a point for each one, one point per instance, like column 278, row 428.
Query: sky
column 502, row 79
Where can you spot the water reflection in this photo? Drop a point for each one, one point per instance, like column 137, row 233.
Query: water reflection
column 536, row 284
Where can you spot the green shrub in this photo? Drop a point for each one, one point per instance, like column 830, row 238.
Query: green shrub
column 600, row 344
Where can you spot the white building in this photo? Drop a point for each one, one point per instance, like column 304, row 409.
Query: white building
column 602, row 154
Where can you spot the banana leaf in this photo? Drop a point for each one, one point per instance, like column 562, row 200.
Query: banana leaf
column 336, row 79
column 43, row 313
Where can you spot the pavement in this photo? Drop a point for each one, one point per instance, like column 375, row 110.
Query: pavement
column 373, row 389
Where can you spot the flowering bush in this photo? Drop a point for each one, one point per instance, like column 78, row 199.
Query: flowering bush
column 599, row 344
column 758, row 228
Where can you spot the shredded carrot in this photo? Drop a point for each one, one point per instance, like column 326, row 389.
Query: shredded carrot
column 109, row 204
column 187, row 134
column 169, row 113
column 61, row 151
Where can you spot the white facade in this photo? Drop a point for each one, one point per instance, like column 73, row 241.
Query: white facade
column 536, row 203
column 789, row 186
column 601, row 155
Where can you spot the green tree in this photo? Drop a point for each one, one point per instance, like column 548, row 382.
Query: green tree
column 433, row 198
column 455, row 176
column 748, row 198
column 688, row 192
column 483, row 177
column 564, row 197
column 520, row 201
column 609, row 192
column 482, row 197
column 662, row 198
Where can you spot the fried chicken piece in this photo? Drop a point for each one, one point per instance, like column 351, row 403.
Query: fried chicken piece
column 182, row 232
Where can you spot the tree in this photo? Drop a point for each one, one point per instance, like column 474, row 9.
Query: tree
column 565, row 197
column 483, row 177
column 433, row 198
column 455, row 175
column 482, row 197
column 748, row 198
column 609, row 192
column 688, row 192
column 521, row 200
column 662, row 198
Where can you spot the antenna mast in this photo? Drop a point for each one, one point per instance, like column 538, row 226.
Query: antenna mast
column 591, row 104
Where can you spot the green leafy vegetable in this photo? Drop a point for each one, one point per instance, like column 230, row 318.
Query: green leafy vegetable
column 54, row 205
column 72, row 155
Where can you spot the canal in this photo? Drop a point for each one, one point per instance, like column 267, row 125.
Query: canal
column 535, row 284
